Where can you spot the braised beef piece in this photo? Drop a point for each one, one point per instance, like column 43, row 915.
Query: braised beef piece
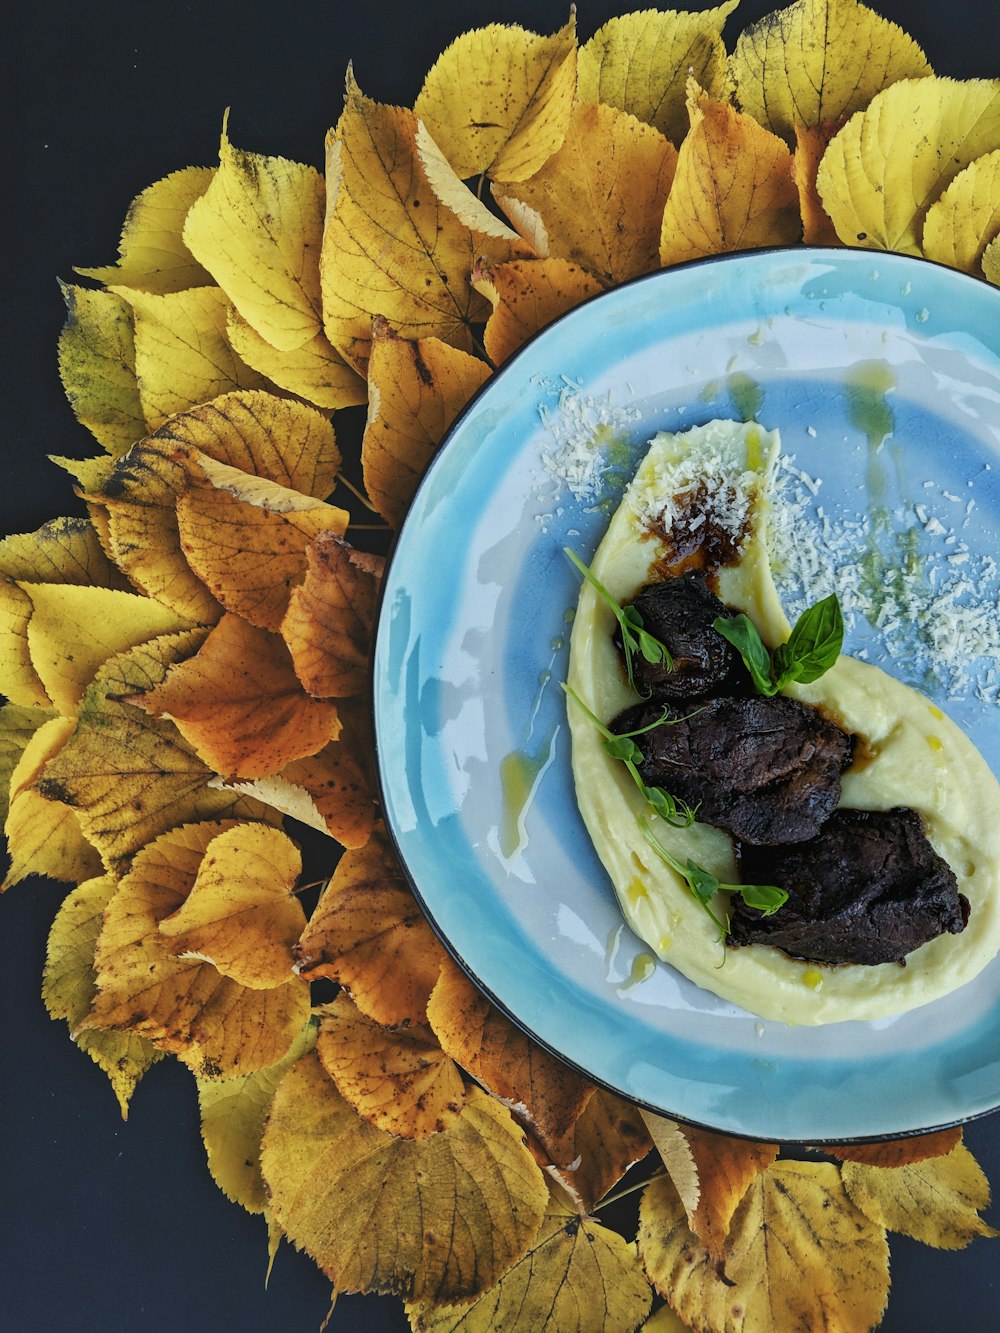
column 766, row 769
column 679, row 612
column 868, row 889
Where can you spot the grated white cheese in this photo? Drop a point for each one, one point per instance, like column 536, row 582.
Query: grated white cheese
column 583, row 428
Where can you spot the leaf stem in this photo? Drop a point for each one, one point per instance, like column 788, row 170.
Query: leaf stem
column 630, row 1189
column 358, row 495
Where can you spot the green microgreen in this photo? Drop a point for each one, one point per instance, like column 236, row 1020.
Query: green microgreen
column 635, row 638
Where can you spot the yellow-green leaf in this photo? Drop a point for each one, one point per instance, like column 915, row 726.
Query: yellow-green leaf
column 818, row 60
column 641, row 62
column 893, row 160
column 97, row 365
column 963, row 222
column 991, row 262
column 69, row 985
column 258, row 229
column 17, row 726
column 154, row 257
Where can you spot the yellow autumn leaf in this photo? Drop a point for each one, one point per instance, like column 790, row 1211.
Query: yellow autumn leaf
column 603, row 1143
column 128, row 776
column 453, row 192
column 238, row 702
column 733, row 190
column 368, row 933
column 73, row 629
column 415, row 391
column 246, row 537
column 17, row 726
column 600, row 198
column 936, row 1201
column 499, row 99
column 543, row 1092
column 810, row 144
column 711, row 1173
column 962, row 223
column 183, row 1006
column 154, row 257
column 241, row 914
column 331, row 617
column 97, row 367
column 315, row 371
column 526, row 295
column 893, row 160
column 991, row 262
column 44, row 837
column 897, row 1152
column 825, row 1264
column 233, row 1115
column 664, row 1320
column 818, row 60
column 257, row 229
column 577, row 1277
column 69, row 984
column 396, row 1078
column 640, row 63
column 390, row 247
column 454, row 1210
column 64, row 551
column 182, row 355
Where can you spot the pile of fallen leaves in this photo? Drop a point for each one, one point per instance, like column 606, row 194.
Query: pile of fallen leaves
column 187, row 669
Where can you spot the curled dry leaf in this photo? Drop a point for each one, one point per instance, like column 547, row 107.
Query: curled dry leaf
column 818, row 60
column 810, row 145
column 97, row 367
column 396, row 1078
column 962, row 223
column 434, row 1219
column 331, row 616
column 257, row 229
column 526, row 295
column 577, row 1277
column 711, row 1173
column 640, row 63
column 128, row 776
column 69, row 985
column 315, row 371
column 733, row 189
column 154, row 257
column 239, row 703
column 498, row 101
column 936, row 1201
column 825, row 1265
column 604, row 1142
column 241, row 914
column 541, row 1091
column 600, row 198
column 897, row 1152
column 368, row 933
column 893, row 160
column 184, row 1006
column 233, row 1114
column 44, row 837
column 415, row 391
column 17, row 726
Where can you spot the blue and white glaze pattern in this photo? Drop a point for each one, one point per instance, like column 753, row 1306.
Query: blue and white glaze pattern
column 472, row 644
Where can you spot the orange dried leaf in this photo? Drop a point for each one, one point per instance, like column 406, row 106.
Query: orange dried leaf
column 600, row 198
column 733, row 190
column 541, row 1091
column 240, row 705
column 242, row 915
column 897, row 1152
column 368, row 933
column 186, row 1007
column 526, row 295
column 315, row 371
column 810, row 145
column 416, row 389
column 434, row 1219
column 608, row 1138
column 396, row 1078
column 97, row 367
column 330, row 618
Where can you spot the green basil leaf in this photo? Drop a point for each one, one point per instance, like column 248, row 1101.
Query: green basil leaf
column 814, row 643
column 767, row 898
column 742, row 634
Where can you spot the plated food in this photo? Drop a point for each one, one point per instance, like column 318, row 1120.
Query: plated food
column 847, row 791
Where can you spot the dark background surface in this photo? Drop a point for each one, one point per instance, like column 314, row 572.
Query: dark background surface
column 112, row 1226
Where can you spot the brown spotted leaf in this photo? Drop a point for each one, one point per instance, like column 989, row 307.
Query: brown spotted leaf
column 897, row 1152
column 331, row 616
column 368, row 933
column 810, row 145
column 240, row 705
column 526, row 295
column 434, row 1219
column 397, row 1078
column 605, row 1141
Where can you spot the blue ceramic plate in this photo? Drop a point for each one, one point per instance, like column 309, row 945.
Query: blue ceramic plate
column 883, row 375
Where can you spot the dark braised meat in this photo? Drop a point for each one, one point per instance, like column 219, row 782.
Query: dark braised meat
column 679, row 612
column 869, row 889
column 766, row 769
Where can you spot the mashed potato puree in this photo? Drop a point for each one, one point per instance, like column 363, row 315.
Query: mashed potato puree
column 912, row 755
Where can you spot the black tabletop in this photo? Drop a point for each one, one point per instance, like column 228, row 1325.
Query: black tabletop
column 118, row 1226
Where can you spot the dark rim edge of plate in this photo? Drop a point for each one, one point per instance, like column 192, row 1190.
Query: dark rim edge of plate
column 791, row 251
